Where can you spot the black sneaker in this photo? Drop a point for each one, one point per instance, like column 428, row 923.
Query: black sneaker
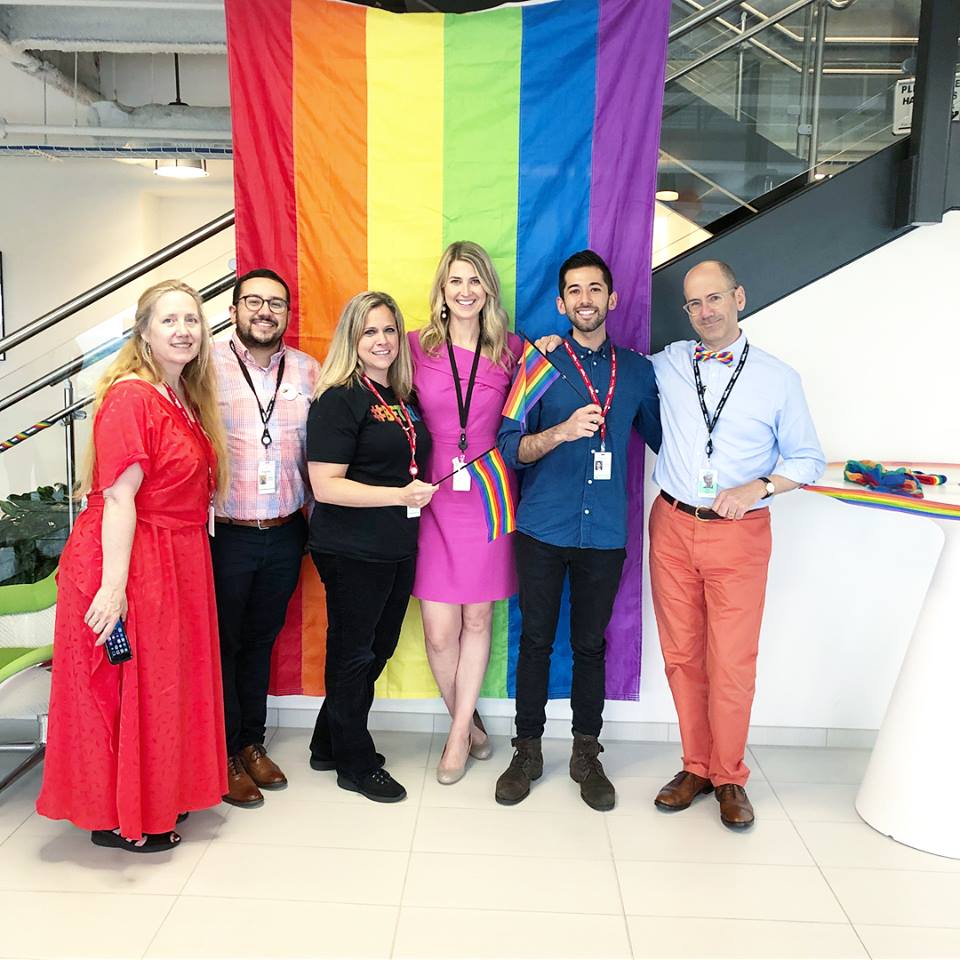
column 328, row 763
column 378, row 786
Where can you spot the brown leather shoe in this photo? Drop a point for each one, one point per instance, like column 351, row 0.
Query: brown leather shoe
column 242, row 791
column 263, row 771
column 736, row 811
column 682, row 790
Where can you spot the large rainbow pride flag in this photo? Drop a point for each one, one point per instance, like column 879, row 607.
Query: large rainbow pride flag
column 365, row 142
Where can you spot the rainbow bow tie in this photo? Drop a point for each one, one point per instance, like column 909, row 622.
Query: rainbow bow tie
column 700, row 352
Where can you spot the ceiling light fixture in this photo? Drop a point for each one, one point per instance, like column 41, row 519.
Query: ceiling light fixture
column 667, row 196
column 182, row 168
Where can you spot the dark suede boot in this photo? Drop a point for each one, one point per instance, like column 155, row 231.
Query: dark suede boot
column 526, row 766
column 585, row 768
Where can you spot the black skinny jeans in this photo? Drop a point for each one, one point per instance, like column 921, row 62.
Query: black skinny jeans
column 366, row 604
column 594, row 579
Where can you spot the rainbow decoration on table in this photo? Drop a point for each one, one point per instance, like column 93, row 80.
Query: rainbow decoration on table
column 367, row 141
column 492, row 477
column 910, row 482
column 535, row 375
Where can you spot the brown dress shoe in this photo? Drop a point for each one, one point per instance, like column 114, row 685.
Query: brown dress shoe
column 242, row 791
column 682, row 790
column 736, row 811
column 263, row 771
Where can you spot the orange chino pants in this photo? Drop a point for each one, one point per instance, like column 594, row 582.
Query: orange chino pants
column 709, row 578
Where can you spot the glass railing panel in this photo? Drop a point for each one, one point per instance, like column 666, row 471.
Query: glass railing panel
column 745, row 123
column 102, row 322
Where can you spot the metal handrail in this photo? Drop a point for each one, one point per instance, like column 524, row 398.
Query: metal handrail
column 702, row 16
column 85, row 360
column 739, row 38
column 62, row 414
column 105, row 287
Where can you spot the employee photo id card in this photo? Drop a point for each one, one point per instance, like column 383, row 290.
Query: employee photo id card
column 708, row 484
column 602, row 464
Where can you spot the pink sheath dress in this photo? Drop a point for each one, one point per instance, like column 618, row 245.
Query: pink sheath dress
column 455, row 563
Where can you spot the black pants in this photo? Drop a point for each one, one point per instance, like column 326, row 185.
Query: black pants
column 594, row 579
column 255, row 573
column 366, row 604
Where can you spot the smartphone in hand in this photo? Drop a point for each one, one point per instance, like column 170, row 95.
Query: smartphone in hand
column 117, row 645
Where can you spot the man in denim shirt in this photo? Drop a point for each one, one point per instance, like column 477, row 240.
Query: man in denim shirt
column 572, row 518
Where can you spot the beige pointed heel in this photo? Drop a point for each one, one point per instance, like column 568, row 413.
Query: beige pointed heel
column 483, row 751
column 449, row 775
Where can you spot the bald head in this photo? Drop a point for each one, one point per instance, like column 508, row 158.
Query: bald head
column 712, row 269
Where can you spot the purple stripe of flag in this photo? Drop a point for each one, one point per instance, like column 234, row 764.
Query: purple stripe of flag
column 630, row 69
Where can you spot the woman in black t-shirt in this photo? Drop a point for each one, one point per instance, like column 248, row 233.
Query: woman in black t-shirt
column 366, row 448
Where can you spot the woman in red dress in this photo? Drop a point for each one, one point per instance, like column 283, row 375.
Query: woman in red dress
column 135, row 746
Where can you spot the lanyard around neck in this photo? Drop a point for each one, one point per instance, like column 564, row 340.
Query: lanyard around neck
column 405, row 423
column 265, row 412
column 701, row 391
column 594, row 396
column 463, row 406
column 196, row 429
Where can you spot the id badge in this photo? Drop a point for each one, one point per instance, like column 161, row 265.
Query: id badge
column 461, row 479
column 708, row 483
column 602, row 465
column 267, row 476
column 413, row 512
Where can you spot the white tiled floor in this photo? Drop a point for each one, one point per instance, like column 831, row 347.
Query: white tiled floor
column 318, row 872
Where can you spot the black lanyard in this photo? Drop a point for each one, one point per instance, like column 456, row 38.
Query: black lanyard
column 265, row 414
column 463, row 408
column 701, row 391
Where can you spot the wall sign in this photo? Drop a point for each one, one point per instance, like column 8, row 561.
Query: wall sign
column 903, row 104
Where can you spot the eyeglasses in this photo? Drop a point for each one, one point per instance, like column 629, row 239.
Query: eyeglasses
column 695, row 307
column 253, row 303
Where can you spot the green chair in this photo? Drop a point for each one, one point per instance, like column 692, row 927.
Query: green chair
column 26, row 651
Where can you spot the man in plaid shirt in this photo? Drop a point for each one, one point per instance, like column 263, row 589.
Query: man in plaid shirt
column 265, row 388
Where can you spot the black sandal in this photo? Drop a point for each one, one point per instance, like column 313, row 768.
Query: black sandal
column 153, row 842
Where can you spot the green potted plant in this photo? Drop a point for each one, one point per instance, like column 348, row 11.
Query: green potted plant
column 33, row 531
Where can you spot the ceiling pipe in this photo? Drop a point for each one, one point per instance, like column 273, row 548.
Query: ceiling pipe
column 113, row 133
column 46, row 72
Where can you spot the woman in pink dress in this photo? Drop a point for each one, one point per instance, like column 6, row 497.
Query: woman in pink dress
column 466, row 344
column 134, row 746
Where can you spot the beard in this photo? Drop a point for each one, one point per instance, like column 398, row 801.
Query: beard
column 251, row 337
column 590, row 325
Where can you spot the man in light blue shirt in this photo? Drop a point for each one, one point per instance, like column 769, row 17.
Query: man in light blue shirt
column 736, row 432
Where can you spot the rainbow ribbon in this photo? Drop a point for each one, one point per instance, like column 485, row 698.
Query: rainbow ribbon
column 535, row 375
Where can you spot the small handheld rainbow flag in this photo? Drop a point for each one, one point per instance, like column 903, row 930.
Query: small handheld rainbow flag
column 490, row 473
column 535, row 374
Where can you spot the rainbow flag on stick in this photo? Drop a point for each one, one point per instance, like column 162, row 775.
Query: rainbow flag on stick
column 535, row 375
column 490, row 474
column 367, row 141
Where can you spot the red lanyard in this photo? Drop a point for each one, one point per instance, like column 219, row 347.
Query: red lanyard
column 593, row 393
column 406, row 424
column 197, row 431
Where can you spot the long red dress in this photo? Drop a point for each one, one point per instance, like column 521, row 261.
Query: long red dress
column 136, row 744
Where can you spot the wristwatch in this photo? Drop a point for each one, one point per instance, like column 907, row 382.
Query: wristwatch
column 768, row 486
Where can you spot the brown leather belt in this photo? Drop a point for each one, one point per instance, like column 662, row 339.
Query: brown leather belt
column 259, row 524
column 701, row 513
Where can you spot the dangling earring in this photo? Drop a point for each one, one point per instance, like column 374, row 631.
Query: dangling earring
column 443, row 314
column 146, row 348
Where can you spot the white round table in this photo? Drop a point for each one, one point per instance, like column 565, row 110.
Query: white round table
column 911, row 789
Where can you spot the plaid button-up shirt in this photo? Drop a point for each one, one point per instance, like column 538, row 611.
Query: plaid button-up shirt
column 244, row 428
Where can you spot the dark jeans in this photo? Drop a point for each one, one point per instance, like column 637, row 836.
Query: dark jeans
column 594, row 579
column 366, row 604
column 255, row 573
